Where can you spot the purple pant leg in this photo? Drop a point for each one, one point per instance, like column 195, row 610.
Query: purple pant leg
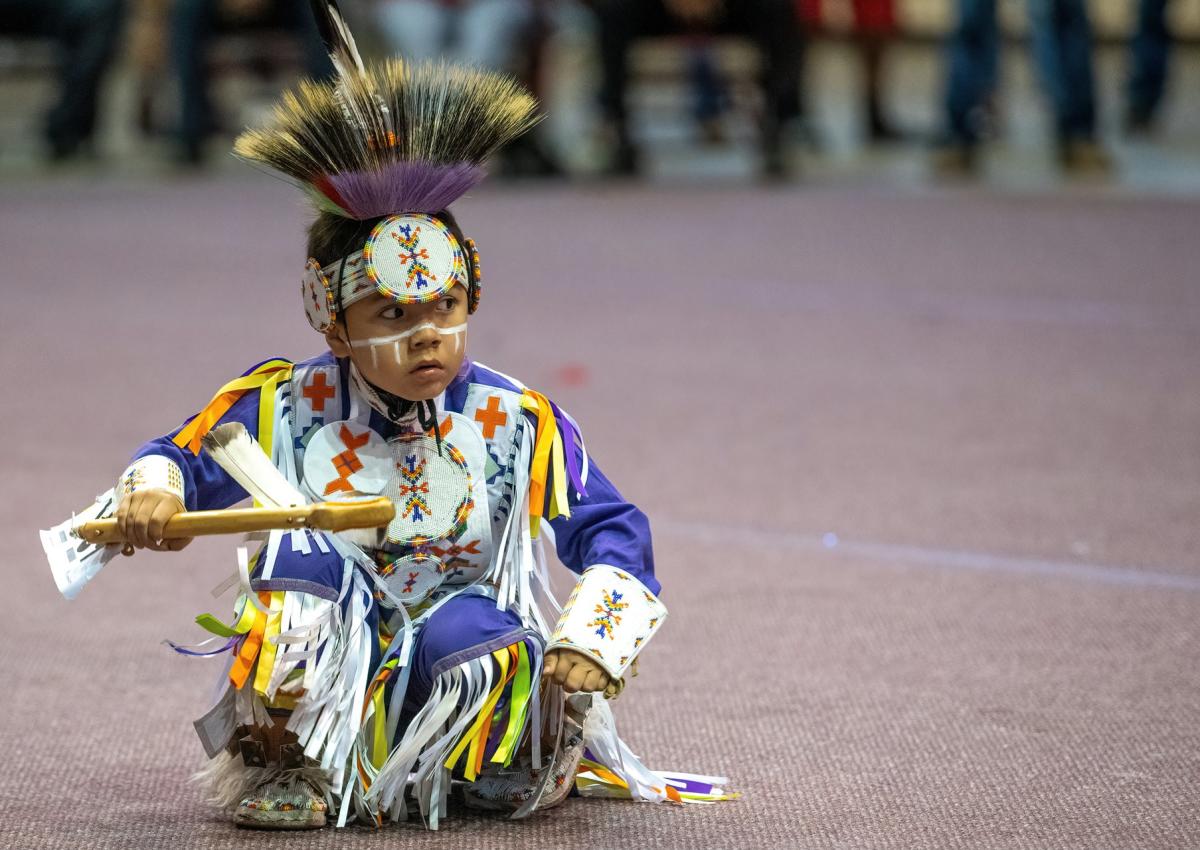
column 464, row 628
column 318, row 573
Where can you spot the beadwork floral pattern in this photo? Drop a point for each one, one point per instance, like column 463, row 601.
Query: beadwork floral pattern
column 419, row 273
column 609, row 614
column 413, row 488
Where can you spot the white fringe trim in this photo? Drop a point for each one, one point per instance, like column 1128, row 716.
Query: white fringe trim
column 427, row 742
column 328, row 717
column 600, row 737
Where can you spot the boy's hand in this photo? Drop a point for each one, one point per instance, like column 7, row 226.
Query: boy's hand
column 142, row 516
column 574, row 671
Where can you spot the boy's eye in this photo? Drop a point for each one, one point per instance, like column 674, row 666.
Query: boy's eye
column 393, row 312
column 447, row 304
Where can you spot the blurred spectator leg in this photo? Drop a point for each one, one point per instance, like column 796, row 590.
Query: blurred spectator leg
column 972, row 58
column 1062, row 46
column 875, row 26
column 416, row 29
column 708, row 91
column 770, row 24
column 493, row 34
column 37, row 18
column 620, row 22
column 499, row 35
column 810, row 16
column 773, row 26
column 192, row 25
column 88, row 31
column 1149, row 52
column 147, row 45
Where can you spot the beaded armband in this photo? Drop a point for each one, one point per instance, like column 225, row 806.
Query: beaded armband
column 152, row 472
column 610, row 615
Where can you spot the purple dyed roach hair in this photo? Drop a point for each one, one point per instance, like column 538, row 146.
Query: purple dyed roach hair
column 423, row 187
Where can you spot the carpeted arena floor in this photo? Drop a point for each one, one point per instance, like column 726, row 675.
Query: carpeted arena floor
column 924, row 474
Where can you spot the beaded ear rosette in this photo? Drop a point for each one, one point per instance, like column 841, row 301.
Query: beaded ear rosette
column 410, row 259
column 319, row 304
column 476, row 289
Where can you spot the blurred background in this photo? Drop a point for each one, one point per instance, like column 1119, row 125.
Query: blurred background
column 896, row 92
column 886, row 312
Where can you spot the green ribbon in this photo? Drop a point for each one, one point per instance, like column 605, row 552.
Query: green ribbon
column 517, row 708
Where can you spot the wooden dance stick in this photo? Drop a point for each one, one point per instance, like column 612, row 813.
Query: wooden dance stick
column 325, row 516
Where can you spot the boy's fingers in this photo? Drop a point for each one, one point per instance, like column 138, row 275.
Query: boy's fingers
column 575, row 678
column 138, row 520
column 125, row 513
column 122, row 515
column 163, row 510
column 550, row 665
column 565, row 664
column 594, row 681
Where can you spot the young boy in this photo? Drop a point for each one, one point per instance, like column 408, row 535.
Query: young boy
column 369, row 669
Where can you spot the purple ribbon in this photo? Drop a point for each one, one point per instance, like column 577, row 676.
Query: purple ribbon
column 183, row 650
column 690, row 786
column 571, row 439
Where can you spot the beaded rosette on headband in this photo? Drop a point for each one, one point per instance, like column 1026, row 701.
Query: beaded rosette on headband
column 391, row 140
column 410, row 259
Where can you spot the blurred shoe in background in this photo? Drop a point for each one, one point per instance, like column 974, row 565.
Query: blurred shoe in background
column 1085, row 157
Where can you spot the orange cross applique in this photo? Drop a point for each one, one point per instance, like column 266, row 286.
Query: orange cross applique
column 317, row 391
column 347, row 463
column 491, row 417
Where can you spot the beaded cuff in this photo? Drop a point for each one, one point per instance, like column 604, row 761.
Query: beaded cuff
column 152, row 472
column 610, row 615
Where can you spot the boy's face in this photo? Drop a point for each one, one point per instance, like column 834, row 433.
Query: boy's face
column 412, row 350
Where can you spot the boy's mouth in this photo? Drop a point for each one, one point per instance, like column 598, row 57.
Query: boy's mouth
column 428, row 367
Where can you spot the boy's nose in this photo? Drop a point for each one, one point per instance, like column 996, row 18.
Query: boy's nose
column 426, row 337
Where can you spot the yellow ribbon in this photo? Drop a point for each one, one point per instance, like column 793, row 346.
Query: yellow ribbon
column 266, row 410
column 548, row 464
column 244, row 662
column 558, row 494
column 266, row 655
column 379, row 742
column 471, row 736
column 508, row 669
column 272, row 371
column 517, row 709
column 378, row 730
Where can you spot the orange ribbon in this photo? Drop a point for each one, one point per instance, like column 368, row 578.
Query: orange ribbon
column 247, row 655
column 193, row 432
column 543, row 444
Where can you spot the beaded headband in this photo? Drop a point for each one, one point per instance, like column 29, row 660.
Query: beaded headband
column 409, row 259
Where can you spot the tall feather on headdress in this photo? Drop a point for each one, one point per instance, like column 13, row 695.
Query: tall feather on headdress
column 388, row 138
column 339, row 41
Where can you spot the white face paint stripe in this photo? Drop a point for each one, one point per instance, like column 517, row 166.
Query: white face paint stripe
column 376, row 342
column 384, row 340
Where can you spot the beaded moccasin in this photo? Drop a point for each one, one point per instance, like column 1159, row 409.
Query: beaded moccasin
column 286, row 801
